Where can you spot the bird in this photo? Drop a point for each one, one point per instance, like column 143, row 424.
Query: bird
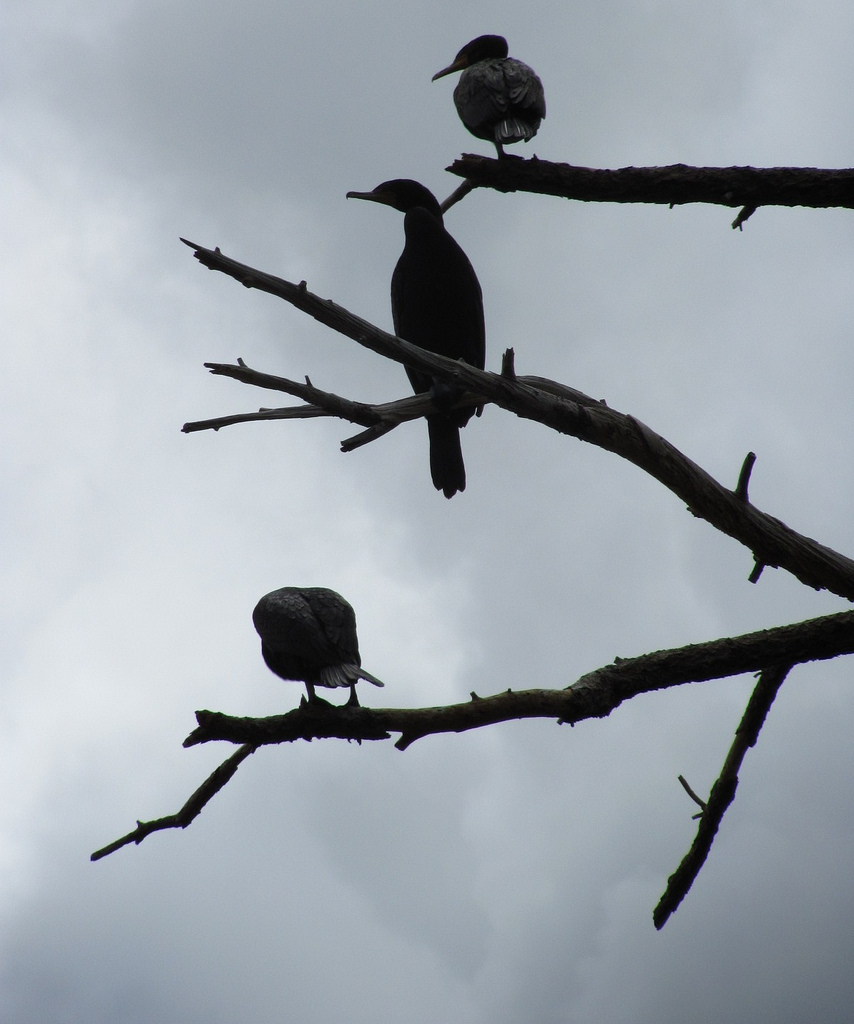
column 308, row 634
column 437, row 304
column 497, row 97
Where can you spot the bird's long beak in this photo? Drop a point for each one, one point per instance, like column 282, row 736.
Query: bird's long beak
column 374, row 197
column 460, row 63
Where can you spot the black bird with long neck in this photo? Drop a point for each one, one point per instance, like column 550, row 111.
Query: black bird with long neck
column 497, row 97
column 436, row 303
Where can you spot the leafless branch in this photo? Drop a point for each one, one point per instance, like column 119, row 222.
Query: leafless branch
column 745, row 187
column 744, row 476
column 191, row 809
column 569, row 412
column 594, row 695
column 460, row 192
column 379, row 418
column 722, row 794
column 697, row 800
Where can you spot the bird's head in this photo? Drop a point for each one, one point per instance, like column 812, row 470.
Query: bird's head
column 482, row 48
column 403, row 194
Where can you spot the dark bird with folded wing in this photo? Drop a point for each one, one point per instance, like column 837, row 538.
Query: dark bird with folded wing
column 308, row 634
column 436, row 303
column 497, row 97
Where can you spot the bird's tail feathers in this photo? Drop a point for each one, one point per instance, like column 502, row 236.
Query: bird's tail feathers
column 446, row 456
column 338, row 675
column 511, row 129
column 345, row 675
column 369, row 678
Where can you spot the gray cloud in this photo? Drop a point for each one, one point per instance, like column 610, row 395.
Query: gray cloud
column 498, row 877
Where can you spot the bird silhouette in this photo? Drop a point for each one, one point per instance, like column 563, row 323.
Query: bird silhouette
column 308, row 634
column 436, row 303
column 497, row 97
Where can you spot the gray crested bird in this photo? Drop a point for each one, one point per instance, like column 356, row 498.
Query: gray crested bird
column 498, row 98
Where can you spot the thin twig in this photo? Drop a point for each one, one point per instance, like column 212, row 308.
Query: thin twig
column 191, row 809
column 744, row 476
column 697, row 800
column 508, row 364
column 460, row 192
column 379, row 418
column 294, row 412
column 743, row 214
column 756, row 572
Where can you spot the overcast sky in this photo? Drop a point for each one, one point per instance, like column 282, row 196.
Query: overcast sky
column 500, row 877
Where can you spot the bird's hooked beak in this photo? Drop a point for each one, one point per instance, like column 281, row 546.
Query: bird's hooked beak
column 376, row 196
column 460, row 64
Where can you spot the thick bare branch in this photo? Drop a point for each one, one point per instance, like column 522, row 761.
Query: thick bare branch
column 594, row 695
column 565, row 410
column 722, row 794
column 747, row 187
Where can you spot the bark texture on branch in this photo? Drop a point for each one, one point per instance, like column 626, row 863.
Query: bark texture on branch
column 558, row 407
column 594, row 695
column 677, row 184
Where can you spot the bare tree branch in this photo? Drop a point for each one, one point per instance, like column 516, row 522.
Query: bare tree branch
column 594, row 695
column 567, row 411
column 747, row 187
column 722, row 794
column 700, row 803
column 744, row 476
column 379, row 418
column 321, row 403
column 570, row 412
column 191, row 809
column 460, row 192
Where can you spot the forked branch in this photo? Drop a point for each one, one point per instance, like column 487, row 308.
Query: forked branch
column 723, row 792
column 379, row 418
column 594, row 695
column 569, row 412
